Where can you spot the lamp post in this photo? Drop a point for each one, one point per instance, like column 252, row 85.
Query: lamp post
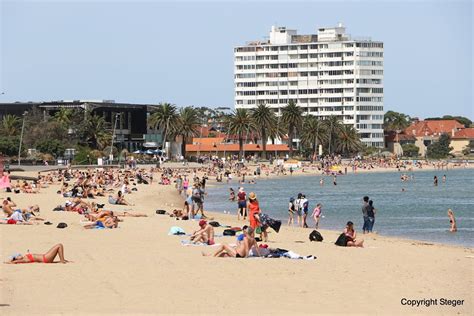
column 117, row 115
column 21, row 136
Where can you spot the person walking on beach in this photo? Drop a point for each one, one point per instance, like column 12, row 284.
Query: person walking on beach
column 291, row 211
column 371, row 216
column 241, row 204
column 365, row 209
column 452, row 221
column 317, row 214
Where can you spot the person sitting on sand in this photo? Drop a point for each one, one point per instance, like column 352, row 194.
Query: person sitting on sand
column 118, row 199
column 205, row 234
column 48, row 257
column 241, row 250
column 7, row 206
column 452, row 220
column 351, row 236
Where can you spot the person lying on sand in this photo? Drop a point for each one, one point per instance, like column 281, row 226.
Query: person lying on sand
column 205, row 234
column 103, row 222
column 241, row 250
column 48, row 257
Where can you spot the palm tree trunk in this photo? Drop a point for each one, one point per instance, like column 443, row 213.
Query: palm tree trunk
column 290, row 141
column 264, row 143
column 183, row 146
column 241, row 146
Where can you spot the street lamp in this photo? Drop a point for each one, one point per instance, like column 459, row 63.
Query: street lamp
column 21, row 136
column 117, row 115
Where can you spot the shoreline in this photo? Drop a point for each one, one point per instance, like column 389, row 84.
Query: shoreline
column 140, row 269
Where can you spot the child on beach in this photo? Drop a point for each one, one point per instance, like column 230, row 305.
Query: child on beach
column 317, row 214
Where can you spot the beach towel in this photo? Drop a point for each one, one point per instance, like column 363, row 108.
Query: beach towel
column 175, row 230
column 190, row 243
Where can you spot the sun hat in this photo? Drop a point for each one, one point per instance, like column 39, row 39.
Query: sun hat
column 252, row 196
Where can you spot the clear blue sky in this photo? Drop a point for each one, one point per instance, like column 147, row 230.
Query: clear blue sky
column 154, row 51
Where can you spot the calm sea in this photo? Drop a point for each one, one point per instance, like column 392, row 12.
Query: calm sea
column 418, row 213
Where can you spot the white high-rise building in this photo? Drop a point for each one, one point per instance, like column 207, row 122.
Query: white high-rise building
column 327, row 73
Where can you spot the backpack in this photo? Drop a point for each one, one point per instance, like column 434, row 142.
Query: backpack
column 315, row 236
column 229, row 232
column 160, row 212
column 214, row 224
column 341, row 240
column 62, row 225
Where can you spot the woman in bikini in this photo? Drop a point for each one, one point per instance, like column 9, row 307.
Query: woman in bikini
column 452, row 220
column 48, row 257
column 351, row 236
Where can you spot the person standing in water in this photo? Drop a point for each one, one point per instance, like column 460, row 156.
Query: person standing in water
column 317, row 214
column 291, row 211
column 435, row 181
column 452, row 221
column 444, row 179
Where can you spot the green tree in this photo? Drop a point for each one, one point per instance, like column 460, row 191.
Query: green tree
column 439, row 149
column 64, row 116
column 9, row 145
column 11, row 125
column 187, row 126
column 293, row 119
column 240, row 123
column 394, row 121
column 164, row 117
column 51, row 146
column 410, row 150
column 313, row 133
column 266, row 120
column 333, row 126
column 348, row 140
column 96, row 131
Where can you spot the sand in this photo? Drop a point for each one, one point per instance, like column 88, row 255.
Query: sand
column 139, row 269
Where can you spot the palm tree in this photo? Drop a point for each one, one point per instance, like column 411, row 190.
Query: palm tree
column 10, row 125
column 266, row 120
column 348, row 140
column 394, row 121
column 313, row 133
column 333, row 126
column 97, row 131
column 165, row 118
column 187, row 126
column 292, row 117
column 240, row 123
column 64, row 116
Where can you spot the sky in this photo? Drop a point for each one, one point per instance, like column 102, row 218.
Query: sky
column 182, row 52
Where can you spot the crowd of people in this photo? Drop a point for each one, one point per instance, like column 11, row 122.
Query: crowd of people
column 81, row 188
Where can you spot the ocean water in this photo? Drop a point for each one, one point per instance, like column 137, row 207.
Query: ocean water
column 418, row 213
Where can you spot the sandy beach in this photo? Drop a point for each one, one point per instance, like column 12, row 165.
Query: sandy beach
column 139, row 269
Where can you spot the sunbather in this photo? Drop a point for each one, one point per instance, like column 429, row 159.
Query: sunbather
column 241, row 250
column 48, row 257
column 205, row 234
